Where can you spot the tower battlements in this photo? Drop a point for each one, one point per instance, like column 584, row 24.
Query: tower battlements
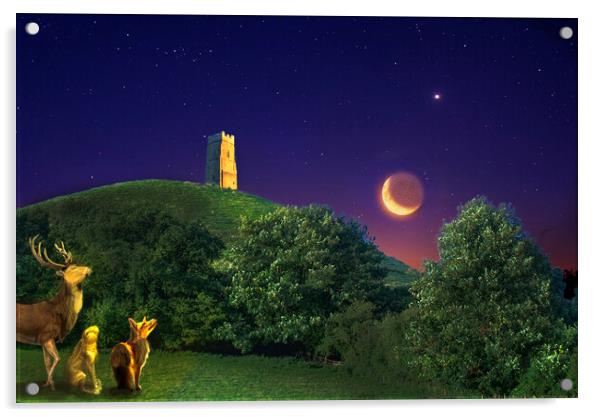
column 221, row 136
column 220, row 167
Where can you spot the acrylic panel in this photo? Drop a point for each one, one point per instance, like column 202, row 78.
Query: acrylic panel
column 295, row 208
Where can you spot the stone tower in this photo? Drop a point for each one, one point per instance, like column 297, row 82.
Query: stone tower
column 220, row 167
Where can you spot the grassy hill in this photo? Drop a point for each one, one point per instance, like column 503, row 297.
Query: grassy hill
column 398, row 273
column 218, row 210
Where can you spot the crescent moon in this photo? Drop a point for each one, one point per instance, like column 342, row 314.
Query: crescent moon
column 392, row 205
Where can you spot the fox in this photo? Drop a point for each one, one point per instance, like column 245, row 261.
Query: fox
column 128, row 358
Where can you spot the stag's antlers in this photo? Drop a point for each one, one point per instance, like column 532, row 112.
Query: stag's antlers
column 64, row 253
column 45, row 260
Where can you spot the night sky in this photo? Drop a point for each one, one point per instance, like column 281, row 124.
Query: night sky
column 323, row 109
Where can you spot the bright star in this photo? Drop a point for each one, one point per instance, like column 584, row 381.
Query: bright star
column 437, row 96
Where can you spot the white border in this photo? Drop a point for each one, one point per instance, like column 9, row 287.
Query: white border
column 590, row 233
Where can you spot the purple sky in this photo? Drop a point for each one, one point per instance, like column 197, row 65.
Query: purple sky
column 323, row 110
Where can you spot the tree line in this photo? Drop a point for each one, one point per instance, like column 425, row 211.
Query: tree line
column 489, row 316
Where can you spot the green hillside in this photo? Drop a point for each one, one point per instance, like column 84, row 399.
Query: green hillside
column 398, row 273
column 217, row 209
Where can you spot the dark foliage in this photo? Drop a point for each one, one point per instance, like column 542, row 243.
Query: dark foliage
column 368, row 347
column 145, row 262
column 570, row 283
column 555, row 361
column 291, row 270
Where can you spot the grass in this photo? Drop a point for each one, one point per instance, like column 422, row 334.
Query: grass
column 190, row 376
column 217, row 209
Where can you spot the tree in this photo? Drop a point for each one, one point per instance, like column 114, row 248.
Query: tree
column 34, row 283
column 485, row 307
column 163, row 265
column 291, row 269
column 145, row 262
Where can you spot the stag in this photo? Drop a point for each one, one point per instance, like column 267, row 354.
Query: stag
column 46, row 322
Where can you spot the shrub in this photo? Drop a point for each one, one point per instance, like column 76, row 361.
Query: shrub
column 201, row 316
column 352, row 335
column 370, row 348
column 549, row 366
column 110, row 316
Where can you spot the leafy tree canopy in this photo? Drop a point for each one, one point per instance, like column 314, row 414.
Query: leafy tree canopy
column 485, row 307
column 292, row 269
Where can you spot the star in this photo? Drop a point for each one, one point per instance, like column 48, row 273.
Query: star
column 437, row 96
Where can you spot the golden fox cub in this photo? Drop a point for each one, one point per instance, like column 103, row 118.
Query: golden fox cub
column 81, row 370
column 128, row 358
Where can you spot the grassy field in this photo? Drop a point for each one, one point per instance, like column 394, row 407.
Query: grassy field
column 188, row 376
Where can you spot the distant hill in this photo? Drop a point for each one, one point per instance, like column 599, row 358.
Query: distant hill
column 217, row 209
column 398, row 273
